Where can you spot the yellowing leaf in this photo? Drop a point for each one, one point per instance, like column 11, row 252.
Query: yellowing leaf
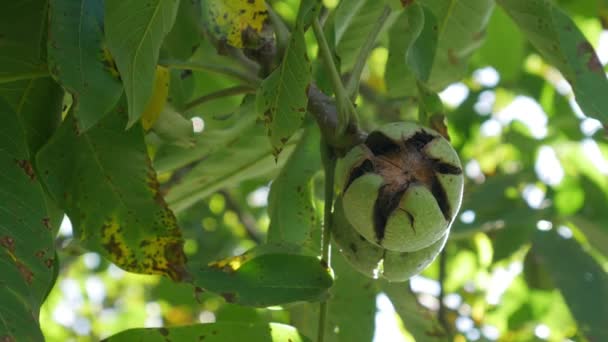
column 238, row 22
column 159, row 98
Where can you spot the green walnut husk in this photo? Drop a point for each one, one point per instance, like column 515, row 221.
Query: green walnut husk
column 402, row 187
column 374, row 261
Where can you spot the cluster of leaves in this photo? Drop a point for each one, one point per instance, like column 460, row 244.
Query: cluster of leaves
column 96, row 99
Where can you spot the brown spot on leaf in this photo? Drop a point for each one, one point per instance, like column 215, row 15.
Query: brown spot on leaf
column 230, row 297
column 46, row 221
column 8, row 243
column 452, row 58
column 163, row 331
column 26, row 273
column 593, row 63
column 49, row 262
column 405, row 3
column 7, row 338
column 27, row 168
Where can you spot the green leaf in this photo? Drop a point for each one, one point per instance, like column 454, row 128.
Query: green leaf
column 104, row 181
column 23, row 35
column 581, row 280
column 402, row 35
column 267, row 275
column 27, row 252
column 76, row 60
column 234, row 151
column 135, row 31
column 497, row 44
column 562, row 44
column 419, row 321
column 38, row 101
column 282, row 98
column 293, row 217
column 596, row 232
column 236, row 22
column 353, row 21
column 353, row 304
column 213, row 332
column 185, row 36
column 422, row 53
column 461, row 26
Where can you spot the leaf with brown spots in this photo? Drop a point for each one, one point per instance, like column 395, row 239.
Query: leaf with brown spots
column 562, row 44
column 282, row 95
column 104, row 181
column 239, row 23
column 213, row 332
column 264, row 276
column 24, row 237
column 291, row 205
column 452, row 30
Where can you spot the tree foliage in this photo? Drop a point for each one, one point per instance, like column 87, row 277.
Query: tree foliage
column 187, row 150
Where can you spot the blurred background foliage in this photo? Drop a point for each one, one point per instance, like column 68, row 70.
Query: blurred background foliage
column 528, row 255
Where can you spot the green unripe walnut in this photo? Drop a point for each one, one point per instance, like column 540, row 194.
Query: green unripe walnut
column 374, row 261
column 402, row 187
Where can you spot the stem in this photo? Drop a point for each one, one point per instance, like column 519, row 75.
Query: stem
column 442, row 314
column 242, row 75
column 280, row 29
column 346, row 111
column 329, row 165
column 353, row 82
column 24, row 76
column 245, row 217
column 236, row 90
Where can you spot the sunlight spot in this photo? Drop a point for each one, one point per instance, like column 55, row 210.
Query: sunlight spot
column 534, row 196
column 467, row 217
column 71, row 292
column 198, row 124
column 387, row 326
column 115, row 272
column 500, row 281
column 153, row 315
column 527, row 111
column 490, row 332
column 491, row 128
column 487, row 77
column 206, row 317
column 602, row 47
column 65, row 229
column 548, row 167
column 464, row 324
column 594, row 154
column 259, row 197
column 91, row 260
column 564, row 232
column 485, row 102
column 64, row 314
column 544, row 225
column 473, row 334
column 96, row 290
column 590, row 126
column 454, row 94
column 452, row 301
column 421, row 284
column 542, row 331
column 82, row 326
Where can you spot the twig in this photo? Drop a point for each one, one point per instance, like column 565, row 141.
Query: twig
column 242, row 75
column 329, row 165
column 246, row 219
column 346, row 110
column 236, row 90
column 441, row 313
column 355, row 75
